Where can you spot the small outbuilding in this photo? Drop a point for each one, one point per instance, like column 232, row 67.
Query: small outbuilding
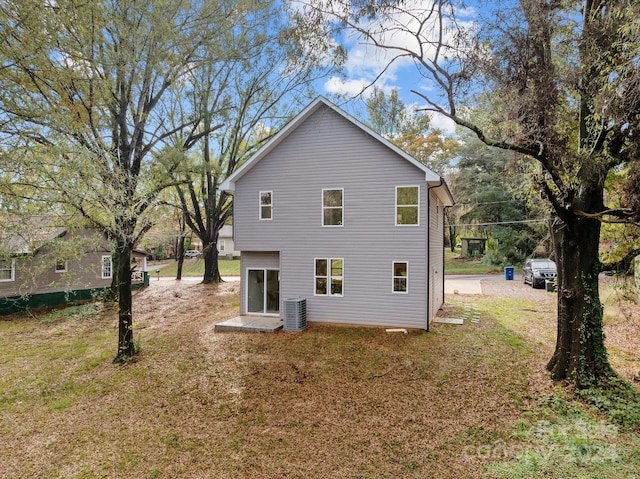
column 472, row 247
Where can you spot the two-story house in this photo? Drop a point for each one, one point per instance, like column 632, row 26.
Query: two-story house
column 331, row 212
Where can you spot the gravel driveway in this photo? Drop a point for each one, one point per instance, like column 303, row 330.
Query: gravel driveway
column 492, row 285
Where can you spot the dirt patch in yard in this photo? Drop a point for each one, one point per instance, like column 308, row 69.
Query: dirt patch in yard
column 329, row 402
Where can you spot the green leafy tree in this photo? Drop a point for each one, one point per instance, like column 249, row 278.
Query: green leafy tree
column 486, row 196
column 252, row 96
column 563, row 77
column 88, row 89
column 410, row 130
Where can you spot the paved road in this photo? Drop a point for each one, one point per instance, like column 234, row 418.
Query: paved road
column 468, row 284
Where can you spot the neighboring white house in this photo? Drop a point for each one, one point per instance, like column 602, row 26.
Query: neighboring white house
column 226, row 245
column 315, row 213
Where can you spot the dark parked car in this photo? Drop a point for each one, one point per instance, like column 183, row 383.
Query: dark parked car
column 537, row 271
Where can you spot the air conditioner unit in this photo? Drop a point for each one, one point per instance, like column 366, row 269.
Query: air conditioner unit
column 295, row 314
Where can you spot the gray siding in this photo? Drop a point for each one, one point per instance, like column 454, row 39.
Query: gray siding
column 34, row 276
column 436, row 256
column 327, row 151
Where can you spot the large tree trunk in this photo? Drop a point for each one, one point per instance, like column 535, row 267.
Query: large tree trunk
column 580, row 355
column 180, row 256
column 126, row 348
column 211, row 267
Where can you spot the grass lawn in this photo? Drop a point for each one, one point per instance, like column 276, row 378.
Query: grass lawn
column 453, row 264
column 466, row 401
column 195, row 267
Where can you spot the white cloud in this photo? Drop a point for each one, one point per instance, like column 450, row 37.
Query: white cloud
column 352, row 88
column 443, row 123
column 367, row 63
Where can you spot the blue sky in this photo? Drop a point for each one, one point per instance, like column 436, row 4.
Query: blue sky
column 365, row 63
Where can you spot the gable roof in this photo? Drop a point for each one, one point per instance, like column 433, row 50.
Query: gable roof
column 431, row 177
column 26, row 235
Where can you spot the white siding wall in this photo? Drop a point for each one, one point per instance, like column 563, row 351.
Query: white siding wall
column 327, row 151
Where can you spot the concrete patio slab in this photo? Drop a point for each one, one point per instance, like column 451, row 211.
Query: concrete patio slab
column 448, row 320
column 261, row 324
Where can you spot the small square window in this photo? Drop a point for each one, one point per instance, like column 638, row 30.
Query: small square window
column 61, row 267
column 266, row 205
column 7, row 270
column 328, row 277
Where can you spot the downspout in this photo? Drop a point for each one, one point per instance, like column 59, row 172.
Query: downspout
column 429, row 299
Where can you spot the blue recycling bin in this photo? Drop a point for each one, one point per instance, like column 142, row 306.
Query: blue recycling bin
column 508, row 273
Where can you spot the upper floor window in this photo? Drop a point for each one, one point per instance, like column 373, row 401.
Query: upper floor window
column 400, row 277
column 61, row 267
column 107, row 267
column 7, row 270
column 328, row 276
column 332, row 207
column 407, row 205
column 266, row 205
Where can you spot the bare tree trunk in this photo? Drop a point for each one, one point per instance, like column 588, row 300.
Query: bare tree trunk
column 126, row 348
column 113, row 289
column 180, row 256
column 211, row 266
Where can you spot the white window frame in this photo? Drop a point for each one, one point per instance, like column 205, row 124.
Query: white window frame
column 262, row 205
column 221, row 246
column 103, row 269
column 417, row 205
column 13, row 272
column 328, row 277
column 64, row 269
column 394, row 277
column 341, row 224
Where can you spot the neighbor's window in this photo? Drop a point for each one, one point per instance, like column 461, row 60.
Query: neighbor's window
column 400, row 277
column 328, row 276
column 107, row 267
column 407, row 205
column 7, row 270
column 61, row 267
column 221, row 246
column 266, row 205
column 332, row 207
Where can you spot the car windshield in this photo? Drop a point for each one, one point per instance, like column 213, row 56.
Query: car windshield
column 544, row 264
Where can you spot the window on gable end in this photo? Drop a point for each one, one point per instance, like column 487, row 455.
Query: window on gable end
column 333, row 207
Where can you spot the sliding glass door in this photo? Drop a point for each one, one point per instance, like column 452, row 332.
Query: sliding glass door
column 263, row 291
